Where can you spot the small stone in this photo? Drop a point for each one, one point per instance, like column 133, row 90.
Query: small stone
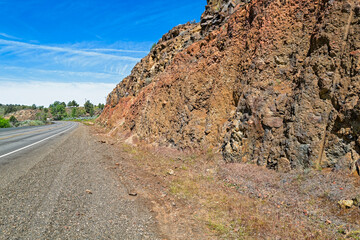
column 284, row 165
column 328, row 221
column 346, row 203
column 88, row 191
column 274, row 122
column 117, row 164
column 356, row 200
column 133, row 193
column 171, row 172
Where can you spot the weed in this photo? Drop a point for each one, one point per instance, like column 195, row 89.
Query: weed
column 219, row 228
column 354, row 234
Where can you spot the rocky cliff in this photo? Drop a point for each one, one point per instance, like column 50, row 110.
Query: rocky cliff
column 272, row 82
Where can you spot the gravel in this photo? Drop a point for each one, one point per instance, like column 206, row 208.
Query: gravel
column 65, row 189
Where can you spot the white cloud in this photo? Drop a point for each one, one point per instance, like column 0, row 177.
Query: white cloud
column 8, row 36
column 24, row 47
column 45, row 93
column 115, row 50
column 22, row 74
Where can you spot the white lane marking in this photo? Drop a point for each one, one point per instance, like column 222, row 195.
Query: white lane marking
column 20, row 149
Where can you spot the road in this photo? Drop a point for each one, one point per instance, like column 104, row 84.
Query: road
column 13, row 140
column 58, row 182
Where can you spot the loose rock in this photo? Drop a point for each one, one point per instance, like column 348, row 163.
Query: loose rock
column 346, row 203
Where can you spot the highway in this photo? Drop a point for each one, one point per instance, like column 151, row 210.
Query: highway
column 59, row 182
column 13, row 140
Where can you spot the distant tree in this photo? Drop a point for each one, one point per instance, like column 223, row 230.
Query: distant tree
column 10, row 108
column 46, row 110
column 101, row 106
column 74, row 112
column 33, row 107
column 13, row 119
column 89, row 107
column 92, row 111
column 41, row 107
column 57, row 109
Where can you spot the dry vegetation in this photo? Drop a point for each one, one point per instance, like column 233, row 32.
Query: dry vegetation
column 198, row 196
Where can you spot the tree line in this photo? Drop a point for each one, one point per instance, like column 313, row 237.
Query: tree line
column 57, row 109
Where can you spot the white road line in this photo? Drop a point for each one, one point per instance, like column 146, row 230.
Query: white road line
column 20, row 149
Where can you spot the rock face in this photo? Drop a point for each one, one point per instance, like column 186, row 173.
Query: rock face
column 26, row 114
column 275, row 83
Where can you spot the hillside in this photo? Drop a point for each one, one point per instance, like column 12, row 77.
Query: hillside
column 269, row 82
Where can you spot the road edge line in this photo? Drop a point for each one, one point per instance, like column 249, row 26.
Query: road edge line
column 20, row 149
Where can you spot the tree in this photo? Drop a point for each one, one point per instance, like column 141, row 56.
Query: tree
column 57, row 109
column 13, row 119
column 89, row 107
column 33, row 107
column 74, row 112
column 73, row 103
column 10, row 108
column 92, row 111
column 101, row 106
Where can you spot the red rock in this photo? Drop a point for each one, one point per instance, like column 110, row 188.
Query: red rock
column 265, row 65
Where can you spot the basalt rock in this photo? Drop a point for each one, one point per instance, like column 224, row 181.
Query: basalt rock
column 275, row 83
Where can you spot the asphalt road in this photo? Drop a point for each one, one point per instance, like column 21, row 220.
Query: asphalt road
column 13, row 140
column 65, row 187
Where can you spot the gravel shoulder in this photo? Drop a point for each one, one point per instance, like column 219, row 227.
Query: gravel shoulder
column 67, row 190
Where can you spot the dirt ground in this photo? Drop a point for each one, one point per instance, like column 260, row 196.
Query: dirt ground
column 198, row 196
column 63, row 189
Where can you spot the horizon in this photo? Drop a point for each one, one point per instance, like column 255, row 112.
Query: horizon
column 70, row 50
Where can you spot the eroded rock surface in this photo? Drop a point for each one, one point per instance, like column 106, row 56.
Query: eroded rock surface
column 275, row 83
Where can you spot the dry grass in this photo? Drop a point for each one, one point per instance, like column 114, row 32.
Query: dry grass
column 201, row 195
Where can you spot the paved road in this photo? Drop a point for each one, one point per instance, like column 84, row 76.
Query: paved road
column 13, row 140
column 66, row 187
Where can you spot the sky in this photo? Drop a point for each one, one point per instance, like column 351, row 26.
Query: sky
column 60, row 50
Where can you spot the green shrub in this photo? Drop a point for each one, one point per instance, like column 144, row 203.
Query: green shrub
column 13, row 119
column 152, row 47
column 4, row 123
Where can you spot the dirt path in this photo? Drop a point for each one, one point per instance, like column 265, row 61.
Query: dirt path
column 66, row 190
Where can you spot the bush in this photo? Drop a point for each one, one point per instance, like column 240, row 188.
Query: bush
column 4, row 123
column 13, row 119
column 153, row 46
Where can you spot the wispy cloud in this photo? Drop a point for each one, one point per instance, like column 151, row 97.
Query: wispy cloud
column 115, row 50
column 21, row 73
column 8, row 36
column 22, row 46
column 78, row 62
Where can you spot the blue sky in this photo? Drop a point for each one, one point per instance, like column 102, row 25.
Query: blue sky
column 76, row 49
